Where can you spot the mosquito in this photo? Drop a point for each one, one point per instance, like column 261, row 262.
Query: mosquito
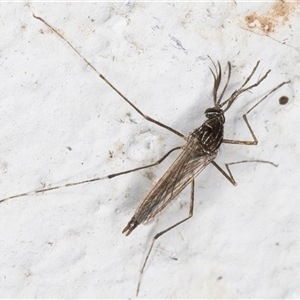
column 200, row 150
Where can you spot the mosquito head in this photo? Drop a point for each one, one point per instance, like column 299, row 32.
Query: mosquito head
column 215, row 112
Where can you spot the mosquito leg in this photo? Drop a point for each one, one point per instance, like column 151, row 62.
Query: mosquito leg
column 255, row 141
column 191, row 210
column 90, row 180
column 241, row 90
column 109, row 83
column 229, row 176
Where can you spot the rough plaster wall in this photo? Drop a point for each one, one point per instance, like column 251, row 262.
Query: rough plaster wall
column 60, row 123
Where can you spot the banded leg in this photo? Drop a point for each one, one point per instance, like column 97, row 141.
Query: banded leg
column 191, row 210
column 110, row 84
column 229, row 176
column 255, row 141
column 90, row 180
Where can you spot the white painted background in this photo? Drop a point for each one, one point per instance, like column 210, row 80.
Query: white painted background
column 68, row 243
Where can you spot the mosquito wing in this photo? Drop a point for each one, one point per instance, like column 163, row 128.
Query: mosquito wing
column 185, row 168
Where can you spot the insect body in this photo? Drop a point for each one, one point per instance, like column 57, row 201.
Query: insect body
column 200, row 150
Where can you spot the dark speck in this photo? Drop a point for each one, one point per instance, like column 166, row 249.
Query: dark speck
column 283, row 100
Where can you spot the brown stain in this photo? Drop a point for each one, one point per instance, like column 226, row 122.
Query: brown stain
column 283, row 100
column 278, row 15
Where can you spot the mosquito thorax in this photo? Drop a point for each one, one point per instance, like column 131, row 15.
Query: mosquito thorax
column 215, row 112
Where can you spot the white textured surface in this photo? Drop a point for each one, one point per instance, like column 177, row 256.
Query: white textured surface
column 68, row 243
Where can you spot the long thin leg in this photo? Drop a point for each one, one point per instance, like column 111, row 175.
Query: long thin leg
column 191, row 210
column 255, row 141
column 229, row 176
column 110, row 84
column 241, row 90
column 90, row 180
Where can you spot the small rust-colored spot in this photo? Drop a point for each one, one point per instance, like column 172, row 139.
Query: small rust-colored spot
column 264, row 23
column 282, row 9
column 267, row 23
column 283, row 100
